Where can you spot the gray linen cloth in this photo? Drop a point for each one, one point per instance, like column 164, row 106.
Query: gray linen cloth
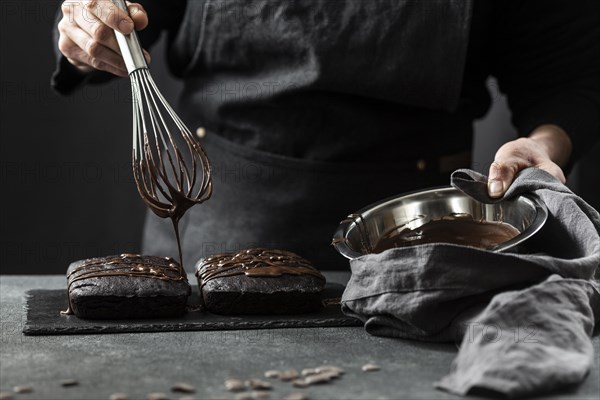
column 525, row 319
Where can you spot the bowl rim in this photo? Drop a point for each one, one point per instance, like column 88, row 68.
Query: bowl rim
column 340, row 241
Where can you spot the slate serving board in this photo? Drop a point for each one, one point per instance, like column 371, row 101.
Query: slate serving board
column 44, row 318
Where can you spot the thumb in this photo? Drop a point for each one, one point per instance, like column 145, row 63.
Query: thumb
column 138, row 15
column 499, row 179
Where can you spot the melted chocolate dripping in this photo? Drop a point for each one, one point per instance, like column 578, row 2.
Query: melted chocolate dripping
column 152, row 182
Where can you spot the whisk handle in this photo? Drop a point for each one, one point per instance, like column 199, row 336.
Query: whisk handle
column 130, row 45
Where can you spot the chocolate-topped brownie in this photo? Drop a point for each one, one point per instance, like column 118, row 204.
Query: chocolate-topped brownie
column 127, row 286
column 259, row 281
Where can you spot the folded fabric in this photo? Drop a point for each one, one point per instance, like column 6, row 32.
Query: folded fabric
column 528, row 341
column 546, row 297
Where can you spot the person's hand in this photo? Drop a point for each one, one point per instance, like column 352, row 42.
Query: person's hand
column 87, row 38
column 548, row 148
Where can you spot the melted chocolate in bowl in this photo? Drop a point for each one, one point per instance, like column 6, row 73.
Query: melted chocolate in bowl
column 462, row 230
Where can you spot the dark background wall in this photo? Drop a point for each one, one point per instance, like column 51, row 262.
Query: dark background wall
column 66, row 186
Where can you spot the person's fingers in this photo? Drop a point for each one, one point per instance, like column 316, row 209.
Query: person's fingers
column 90, row 63
column 87, row 33
column 501, row 175
column 515, row 156
column 70, row 49
column 96, row 29
column 73, row 53
column 107, row 12
column 65, row 45
column 97, row 53
column 147, row 56
column 68, row 8
column 510, row 158
column 103, row 66
column 554, row 170
column 138, row 15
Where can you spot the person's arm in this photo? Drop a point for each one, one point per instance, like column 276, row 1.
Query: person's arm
column 85, row 44
column 546, row 56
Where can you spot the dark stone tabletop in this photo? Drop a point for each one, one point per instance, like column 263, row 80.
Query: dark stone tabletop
column 141, row 363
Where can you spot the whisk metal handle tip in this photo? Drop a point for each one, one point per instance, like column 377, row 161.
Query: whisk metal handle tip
column 130, row 45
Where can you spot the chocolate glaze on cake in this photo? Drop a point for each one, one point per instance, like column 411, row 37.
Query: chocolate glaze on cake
column 257, row 262
column 461, row 230
column 106, row 281
column 259, row 281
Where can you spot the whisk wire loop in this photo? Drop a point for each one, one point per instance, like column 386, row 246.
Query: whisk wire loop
column 167, row 182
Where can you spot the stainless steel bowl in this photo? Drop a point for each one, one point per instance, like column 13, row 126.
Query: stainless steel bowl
column 527, row 213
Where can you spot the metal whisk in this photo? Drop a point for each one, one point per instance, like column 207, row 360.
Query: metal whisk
column 168, row 180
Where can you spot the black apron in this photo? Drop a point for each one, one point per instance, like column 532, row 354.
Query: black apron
column 276, row 185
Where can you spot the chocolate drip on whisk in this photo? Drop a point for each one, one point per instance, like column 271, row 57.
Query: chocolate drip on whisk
column 168, row 183
column 169, row 180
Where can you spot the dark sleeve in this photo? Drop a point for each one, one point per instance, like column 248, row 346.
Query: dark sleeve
column 162, row 16
column 546, row 57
